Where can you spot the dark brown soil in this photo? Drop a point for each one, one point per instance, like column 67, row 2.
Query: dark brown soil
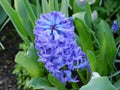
column 10, row 40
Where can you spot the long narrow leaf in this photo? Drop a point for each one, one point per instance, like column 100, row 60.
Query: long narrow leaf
column 15, row 19
column 38, row 8
column 30, row 12
column 32, row 17
column 3, row 15
column 88, row 15
column 56, row 5
column 92, row 60
column 107, row 47
column 24, row 17
column 56, row 82
column 102, row 55
column 51, row 4
column 45, row 6
column 84, row 35
column 117, row 40
column 76, row 6
column 64, row 7
column 4, row 24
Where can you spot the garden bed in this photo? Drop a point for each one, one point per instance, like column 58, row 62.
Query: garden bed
column 10, row 41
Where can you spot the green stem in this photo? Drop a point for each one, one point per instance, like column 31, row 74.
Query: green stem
column 115, row 11
column 117, row 40
column 81, row 77
column 108, row 19
column 115, row 74
column 4, row 24
column 93, row 33
column 74, row 85
column 2, row 46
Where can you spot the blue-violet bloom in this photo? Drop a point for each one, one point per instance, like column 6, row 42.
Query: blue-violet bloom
column 55, row 24
column 115, row 26
column 57, row 47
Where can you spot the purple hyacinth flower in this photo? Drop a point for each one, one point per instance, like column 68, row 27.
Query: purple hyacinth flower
column 115, row 26
column 55, row 24
column 57, row 47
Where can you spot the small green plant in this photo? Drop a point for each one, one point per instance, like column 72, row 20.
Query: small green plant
column 22, row 77
column 3, row 17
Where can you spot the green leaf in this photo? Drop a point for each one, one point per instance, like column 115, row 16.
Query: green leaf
column 40, row 83
column 102, row 55
column 76, row 6
column 107, row 48
column 1, row 45
column 3, row 15
column 101, row 9
column 80, row 15
column 92, row 60
column 101, row 83
column 29, row 62
column 30, row 12
column 45, row 7
column 4, row 24
column 88, row 15
column 34, row 8
column 56, row 5
column 50, row 88
column 84, row 35
column 55, row 82
column 38, row 9
column 24, row 17
column 78, row 39
column 64, row 7
column 15, row 20
column 31, row 16
column 51, row 4
column 117, row 40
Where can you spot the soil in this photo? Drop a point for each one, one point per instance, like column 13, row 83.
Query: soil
column 10, row 40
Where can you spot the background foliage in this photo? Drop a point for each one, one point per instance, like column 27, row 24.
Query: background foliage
column 93, row 34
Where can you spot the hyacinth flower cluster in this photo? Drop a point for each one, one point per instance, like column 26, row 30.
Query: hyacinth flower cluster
column 57, row 47
column 115, row 26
